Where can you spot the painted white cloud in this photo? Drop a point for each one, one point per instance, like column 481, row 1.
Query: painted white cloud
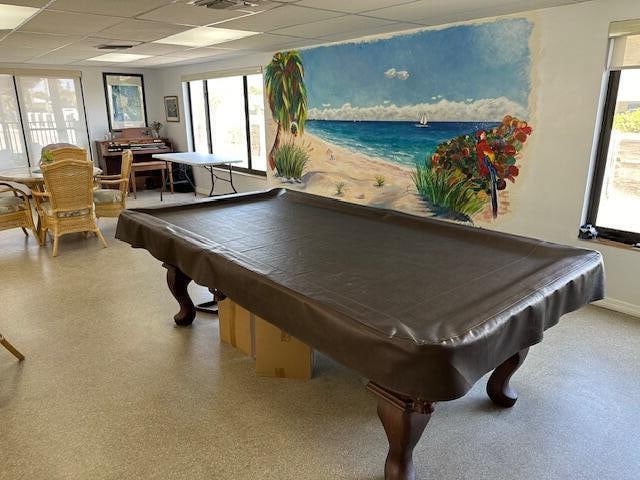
column 326, row 105
column 391, row 73
column 399, row 74
column 487, row 109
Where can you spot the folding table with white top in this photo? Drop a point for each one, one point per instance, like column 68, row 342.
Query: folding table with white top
column 207, row 161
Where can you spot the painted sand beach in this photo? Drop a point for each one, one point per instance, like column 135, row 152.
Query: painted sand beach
column 333, row 163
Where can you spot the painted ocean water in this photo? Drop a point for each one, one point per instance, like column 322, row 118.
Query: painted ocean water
column 400, row 142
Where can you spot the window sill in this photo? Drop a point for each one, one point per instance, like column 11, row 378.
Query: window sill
column 611, row 243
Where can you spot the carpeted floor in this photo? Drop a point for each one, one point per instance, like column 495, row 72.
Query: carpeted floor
column 111, row 389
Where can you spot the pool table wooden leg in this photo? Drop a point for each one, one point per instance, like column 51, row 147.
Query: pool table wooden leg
column 404, row 419
column 178, row 283
column 498, row 388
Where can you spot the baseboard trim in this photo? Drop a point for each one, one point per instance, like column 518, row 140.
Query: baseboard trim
column 619, row 306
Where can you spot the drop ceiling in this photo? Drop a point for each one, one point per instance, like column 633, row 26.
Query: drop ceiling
column 67, row 32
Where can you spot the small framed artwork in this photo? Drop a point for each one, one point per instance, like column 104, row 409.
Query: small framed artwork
column 126, row 106
column 171, row 108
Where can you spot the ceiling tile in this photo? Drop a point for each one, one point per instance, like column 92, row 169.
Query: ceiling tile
column 157, row 61
column 65, row 23
column 265, row 42
column 10, row 54
column 199, row 52
column 116, row 8
column 352, row 6
column 37, row 40
column 346, row 24
column 141, row 30
column 26, row 3
column 385, row 29
column 280, row 17
column 56, row 58
column 191, row 15
column 156, row 49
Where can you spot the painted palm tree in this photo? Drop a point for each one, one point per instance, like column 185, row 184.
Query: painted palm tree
column 284, row 81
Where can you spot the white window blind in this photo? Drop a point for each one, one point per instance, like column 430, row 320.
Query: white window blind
column 52, row 112
column 625, row 39
column 12, row 150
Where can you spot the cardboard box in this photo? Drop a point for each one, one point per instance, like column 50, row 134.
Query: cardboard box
column 278, row 354
column 236, row 326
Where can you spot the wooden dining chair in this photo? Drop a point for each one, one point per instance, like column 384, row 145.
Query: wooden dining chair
column 66, row 205
column 110, row 202
column 5, row 343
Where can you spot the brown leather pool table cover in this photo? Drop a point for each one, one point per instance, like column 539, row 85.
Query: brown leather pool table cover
column 421, row 306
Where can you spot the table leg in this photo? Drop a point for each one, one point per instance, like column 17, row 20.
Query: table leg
column 231, row 179
column 163, row 180
column 132, row 177
column 170, row 168
column 404, row 420
column 5, row 343
column 498, row 388
column 213, row 181
column 178, row 283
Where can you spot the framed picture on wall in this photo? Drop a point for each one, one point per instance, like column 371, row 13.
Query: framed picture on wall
column 171, row 108
column 126, row 106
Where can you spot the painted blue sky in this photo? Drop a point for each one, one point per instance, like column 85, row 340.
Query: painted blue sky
column 463, row 63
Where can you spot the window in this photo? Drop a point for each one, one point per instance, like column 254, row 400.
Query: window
column 614, row 206
column 52, row 112
column 12, row 150
column 227, row 119
column 36, row 111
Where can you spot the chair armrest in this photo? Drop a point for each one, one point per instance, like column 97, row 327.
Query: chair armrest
column 106, row 177
column 112, row 182
column 16, row 187
column 39, row 196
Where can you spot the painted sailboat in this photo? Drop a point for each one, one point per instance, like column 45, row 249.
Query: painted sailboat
column 422, row 121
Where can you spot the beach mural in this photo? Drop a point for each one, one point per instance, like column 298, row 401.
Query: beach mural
column 432, row 122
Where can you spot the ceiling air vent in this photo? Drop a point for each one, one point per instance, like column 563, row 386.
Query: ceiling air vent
column 114, row 47
column 225, row 4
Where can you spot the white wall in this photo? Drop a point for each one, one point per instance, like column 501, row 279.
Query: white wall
column 94, row 99
column 569, row 45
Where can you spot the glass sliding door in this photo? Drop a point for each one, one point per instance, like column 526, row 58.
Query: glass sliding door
column 227, row 114
column 255, row 101
column 52, row 112
column 12, row 150
column 199, row 117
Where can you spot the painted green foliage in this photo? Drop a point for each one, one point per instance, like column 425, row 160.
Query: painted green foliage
column 468, row 171
column 284, row 81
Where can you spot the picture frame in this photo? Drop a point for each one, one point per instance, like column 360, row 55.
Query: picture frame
column 126, row 103
column 172, row 108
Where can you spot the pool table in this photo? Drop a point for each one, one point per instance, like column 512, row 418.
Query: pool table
column 422, row 308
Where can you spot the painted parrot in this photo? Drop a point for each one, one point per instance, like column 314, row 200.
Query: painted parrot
column 486, row 167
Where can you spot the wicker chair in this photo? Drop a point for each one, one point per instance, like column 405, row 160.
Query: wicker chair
column 68, row 153
column 15, row 210
column 5, row 343
column 110, row 202
column 66, row 206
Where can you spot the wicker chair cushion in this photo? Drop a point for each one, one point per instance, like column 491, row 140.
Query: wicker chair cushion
column 106, row 195
column 49, row 212
column 11, row 204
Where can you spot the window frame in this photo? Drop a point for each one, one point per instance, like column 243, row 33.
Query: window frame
column 247, row 125
column 600, row 165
